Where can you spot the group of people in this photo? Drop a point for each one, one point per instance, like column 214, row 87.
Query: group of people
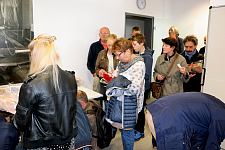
column 52, row 114
column 135, row 64
column 136, row 68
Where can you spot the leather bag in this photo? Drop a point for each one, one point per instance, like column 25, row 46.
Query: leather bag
column 157, row 89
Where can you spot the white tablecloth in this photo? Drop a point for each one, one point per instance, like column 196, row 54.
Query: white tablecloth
column 90, row 93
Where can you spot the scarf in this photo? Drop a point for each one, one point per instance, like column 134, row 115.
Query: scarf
column 123, row 67
column 190, row 55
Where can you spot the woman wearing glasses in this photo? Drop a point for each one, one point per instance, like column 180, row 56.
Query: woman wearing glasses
column 131, row 70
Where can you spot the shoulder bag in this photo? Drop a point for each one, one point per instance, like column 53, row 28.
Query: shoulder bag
column 157, row 88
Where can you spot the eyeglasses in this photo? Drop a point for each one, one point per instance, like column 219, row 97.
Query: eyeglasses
column 103, row 32
column 119, row 54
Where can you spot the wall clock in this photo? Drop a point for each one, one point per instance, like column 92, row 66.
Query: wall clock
column 141, row 4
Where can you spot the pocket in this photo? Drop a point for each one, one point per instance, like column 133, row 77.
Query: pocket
column 174, row 141
column 116, row 112
column 21, row 114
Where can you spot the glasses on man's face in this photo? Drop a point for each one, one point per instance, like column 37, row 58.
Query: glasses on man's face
column 103, row 32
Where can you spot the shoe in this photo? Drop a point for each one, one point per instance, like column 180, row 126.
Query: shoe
column 138, row 136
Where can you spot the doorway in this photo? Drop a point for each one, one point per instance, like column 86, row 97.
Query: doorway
column 145, row 23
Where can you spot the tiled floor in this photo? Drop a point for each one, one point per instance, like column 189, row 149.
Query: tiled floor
column 143, row 144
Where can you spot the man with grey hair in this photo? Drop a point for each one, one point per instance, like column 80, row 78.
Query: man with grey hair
column 95, row 48
column 194, row 62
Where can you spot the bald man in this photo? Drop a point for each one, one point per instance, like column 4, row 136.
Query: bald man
column 95, row 48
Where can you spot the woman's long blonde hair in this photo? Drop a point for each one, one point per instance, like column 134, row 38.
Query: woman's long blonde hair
column 44, row 54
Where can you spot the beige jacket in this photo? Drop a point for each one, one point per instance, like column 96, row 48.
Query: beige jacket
column 174, row 82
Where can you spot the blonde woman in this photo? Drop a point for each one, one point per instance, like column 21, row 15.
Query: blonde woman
column 106, row 63
column 46, row 109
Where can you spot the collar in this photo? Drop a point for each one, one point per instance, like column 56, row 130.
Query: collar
column 104, row 45
column 190, row 55
column 2, row 118
column 168, row 58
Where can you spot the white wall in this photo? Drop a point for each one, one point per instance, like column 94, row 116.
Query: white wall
column 76, row 24
column 217, row 2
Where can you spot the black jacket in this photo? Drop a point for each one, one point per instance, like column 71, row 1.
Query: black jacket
column 180, row 45
column 44, row 115
column 83, row 138
column 95, row 48
column 194, row 83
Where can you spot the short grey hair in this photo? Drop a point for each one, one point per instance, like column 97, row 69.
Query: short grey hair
column 175, row 30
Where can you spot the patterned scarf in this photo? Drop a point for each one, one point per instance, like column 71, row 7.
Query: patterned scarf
column 123, row 67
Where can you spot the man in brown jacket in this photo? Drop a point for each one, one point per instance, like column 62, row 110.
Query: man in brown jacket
column 87, row 105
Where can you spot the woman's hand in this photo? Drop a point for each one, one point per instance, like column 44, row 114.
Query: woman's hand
column 160, row 77
column 112, row 70
column 101, row 72
column 183, row 71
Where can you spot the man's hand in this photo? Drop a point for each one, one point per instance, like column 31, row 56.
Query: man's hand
column 197, row 67
column 192, row 75
column 190, row 67
column 94, row 74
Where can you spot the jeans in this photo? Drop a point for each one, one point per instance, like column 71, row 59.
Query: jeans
column 128, row 139
column 86, row 148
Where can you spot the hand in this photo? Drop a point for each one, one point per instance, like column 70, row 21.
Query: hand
column 197, row 68
column 192, row 75
column 94, row 74
column 112, row 70
column 183, row 71
column 160, row 77
column 190, row 67
column 102, row 72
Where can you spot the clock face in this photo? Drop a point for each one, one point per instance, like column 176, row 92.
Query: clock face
column 141, row 4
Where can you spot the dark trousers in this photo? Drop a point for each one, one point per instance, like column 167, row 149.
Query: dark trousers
column 141, row 116
column 104, row 98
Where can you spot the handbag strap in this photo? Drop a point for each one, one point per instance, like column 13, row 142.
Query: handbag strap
column 168, row 71
column 175, row 58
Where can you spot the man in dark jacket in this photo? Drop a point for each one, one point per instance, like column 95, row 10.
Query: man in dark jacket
column 95, row 48
column 9, row 136
column 194, row 63
column 83, row 138
column 138, row 42
column 190, row 120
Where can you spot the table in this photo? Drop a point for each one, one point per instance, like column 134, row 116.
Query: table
column 8, row 101
column 90, row 93
column 93, row 95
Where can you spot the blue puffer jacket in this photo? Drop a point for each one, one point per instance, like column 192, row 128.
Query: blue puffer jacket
column 126, row 110
column 191, row 120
